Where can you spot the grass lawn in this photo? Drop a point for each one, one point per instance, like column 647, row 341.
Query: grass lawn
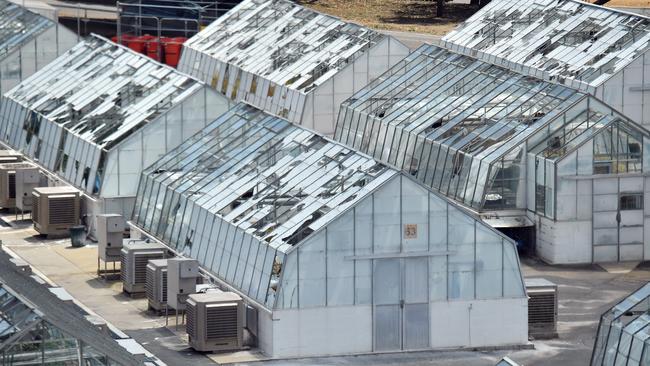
column 398, row 15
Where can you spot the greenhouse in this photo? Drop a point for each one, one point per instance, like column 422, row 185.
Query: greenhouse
column 623, row 336
column 510, row 145
column 37, row 328
column 288, row 60
column 28, row 42
column 100, row 113
column 329, row 244
column 596, row 49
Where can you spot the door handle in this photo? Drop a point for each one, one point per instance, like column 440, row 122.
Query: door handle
column 401, row 304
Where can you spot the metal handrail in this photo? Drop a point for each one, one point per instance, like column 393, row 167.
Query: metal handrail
column 206, row 12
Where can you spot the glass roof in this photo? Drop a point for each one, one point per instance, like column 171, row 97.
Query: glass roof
column 272, row 179
column 506, row 361
column 630, row 302
column 15, row 316
column 18, row 25
column 283, row 42
column 103, row 92
column 436, row 109
column 448, row 118
column 35, row 318
column 624, row 332
column 251, row 190
column 566, row 39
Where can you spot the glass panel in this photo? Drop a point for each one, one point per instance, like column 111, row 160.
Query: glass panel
column 415, row 280
column 416, row 326
column 512, row 282
column 586, row 158
column 289, row 286
column 388, row 329
column 414, row 206
column 387, row 230
column 386, row 281
column 94, row 358
column 59, row 345
column 438, row 278
column 437, row 223
column 617, row 150
column 461, row 262
column 311, row 272
column 612, row 344
column 340, row 271
column 505, row 178
column 363, row 246
column 489, row 264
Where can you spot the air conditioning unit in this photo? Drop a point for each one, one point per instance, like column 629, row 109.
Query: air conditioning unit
column 8, row 182
column 542, row 308
column 135, row 257
column 26, row 180
column 110, row 230
column 10, row 156
column 55, row 210
column 157, row 284
column 215, row 321
column 182, row 274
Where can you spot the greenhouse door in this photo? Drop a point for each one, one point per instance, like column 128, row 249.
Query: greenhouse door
column 618, row 226
column 401, row 304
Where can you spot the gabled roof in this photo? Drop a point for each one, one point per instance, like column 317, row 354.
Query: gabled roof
column 624, row 331
column 18, row 26
column 252, row 189
column 446, row 118
column 283, row 42
column 103, row 92
column 24, row 303
column 566, row 39
column 274, row 180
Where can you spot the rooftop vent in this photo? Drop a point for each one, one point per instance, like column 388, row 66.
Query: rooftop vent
column 215, row 321
column 156, row 284
column 135, row 256
column 542, row 308
column 55, row 210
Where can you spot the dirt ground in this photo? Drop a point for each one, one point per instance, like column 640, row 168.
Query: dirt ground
column 397, row 15
column 632, row 3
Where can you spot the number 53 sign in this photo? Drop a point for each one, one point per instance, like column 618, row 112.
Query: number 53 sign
column 410, row 231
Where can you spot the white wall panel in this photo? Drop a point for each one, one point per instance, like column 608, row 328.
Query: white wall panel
column 322, row 331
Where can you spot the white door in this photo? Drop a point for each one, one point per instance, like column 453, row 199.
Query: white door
column 401, row 304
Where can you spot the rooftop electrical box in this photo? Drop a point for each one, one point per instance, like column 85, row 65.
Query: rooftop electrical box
column 26, row 180
column 182, row 275
column 110, row 230
column 8, row 182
